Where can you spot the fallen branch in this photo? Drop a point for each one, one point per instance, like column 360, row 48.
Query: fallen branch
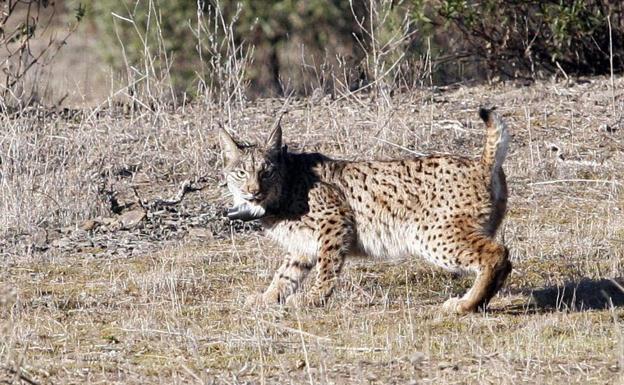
column 186, row 187
column 21, row 376
column 615, row 183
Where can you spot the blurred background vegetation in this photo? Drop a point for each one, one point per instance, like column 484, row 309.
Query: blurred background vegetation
column 235, row 50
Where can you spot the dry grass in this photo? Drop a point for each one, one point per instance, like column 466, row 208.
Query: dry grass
column 171, row 312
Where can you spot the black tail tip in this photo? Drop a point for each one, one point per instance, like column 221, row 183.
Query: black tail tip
column 486, row 113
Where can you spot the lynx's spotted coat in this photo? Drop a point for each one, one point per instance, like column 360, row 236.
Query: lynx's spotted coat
column 443, row 208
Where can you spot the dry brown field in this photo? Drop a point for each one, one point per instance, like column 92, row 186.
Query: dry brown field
column 102, row 281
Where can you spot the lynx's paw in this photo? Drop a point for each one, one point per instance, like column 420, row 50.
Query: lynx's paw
column 298, row 301
column 305, row 300
column 456, row 305
column 257, row 301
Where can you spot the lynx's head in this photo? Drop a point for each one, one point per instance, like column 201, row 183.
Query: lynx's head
column 253, row 174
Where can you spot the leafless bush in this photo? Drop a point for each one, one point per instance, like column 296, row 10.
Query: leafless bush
column 152, row 78
column 386, row 34
column 222, row 77
column 23, row 52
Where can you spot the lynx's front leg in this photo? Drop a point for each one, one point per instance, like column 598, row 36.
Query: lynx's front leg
column 286, row 281
column 335, row 234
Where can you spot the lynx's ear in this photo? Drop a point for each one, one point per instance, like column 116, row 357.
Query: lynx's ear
column 274, row 143
column 229, row 149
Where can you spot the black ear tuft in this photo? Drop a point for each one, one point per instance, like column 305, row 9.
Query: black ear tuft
column 274, row 143
column 486, row 113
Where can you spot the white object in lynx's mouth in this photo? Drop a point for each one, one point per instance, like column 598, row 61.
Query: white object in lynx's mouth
column 246, row 212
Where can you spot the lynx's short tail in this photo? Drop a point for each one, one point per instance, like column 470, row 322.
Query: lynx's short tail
column 497, row 139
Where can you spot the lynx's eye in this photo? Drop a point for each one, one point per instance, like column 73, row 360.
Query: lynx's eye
column 268, row 174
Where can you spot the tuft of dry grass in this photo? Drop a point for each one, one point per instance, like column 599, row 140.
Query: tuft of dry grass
column 162, row 302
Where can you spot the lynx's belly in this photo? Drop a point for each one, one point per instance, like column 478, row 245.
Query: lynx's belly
column 395, row 241
column 388, row 241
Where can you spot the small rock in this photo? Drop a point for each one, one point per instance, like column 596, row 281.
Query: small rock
column 300, row 364
column 417, row 358
column 78, row 234
column 171, row 223
column 61, row 242
column 67, row 229
column 88, row 225
column 40, row 239
column 108, row 221
column 198, row 232
column 131, row 219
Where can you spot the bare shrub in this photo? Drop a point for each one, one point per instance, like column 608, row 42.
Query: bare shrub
column 25, row 50
column 224, row 59
column 168, row 58
column 533, row 38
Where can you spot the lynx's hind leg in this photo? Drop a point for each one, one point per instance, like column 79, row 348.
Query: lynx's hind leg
column 491, row 261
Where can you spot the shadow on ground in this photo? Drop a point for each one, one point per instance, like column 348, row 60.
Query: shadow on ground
column 583, row 295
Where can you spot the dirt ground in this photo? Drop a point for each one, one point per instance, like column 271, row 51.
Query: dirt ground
column 102, row 280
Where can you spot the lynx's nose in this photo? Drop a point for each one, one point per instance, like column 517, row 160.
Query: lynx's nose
column 257, row 196
column 252, row 195
column 252, row 189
